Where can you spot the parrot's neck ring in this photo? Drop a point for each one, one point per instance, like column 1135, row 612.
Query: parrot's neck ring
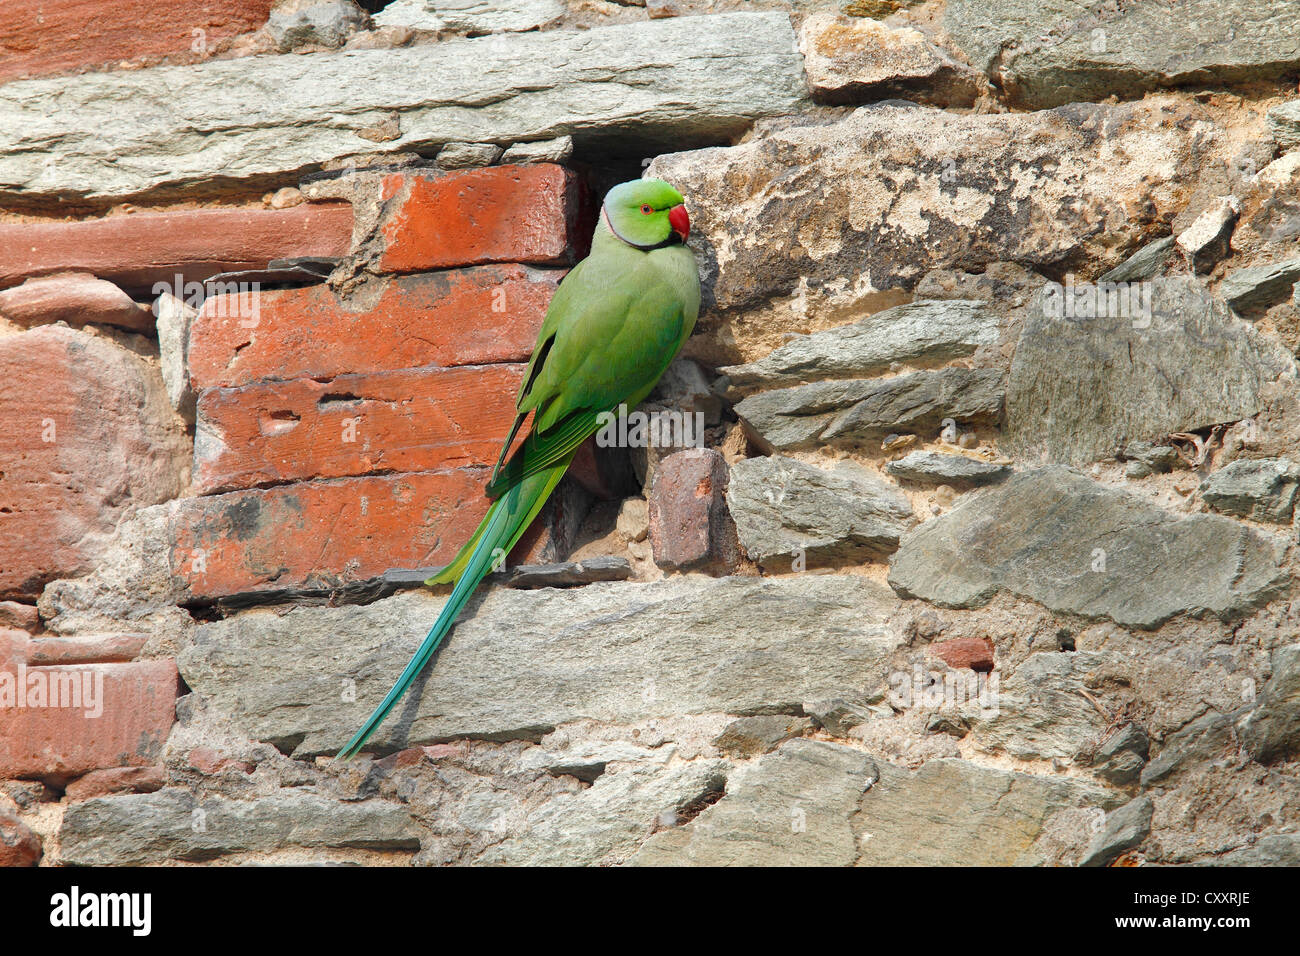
column 673, row 238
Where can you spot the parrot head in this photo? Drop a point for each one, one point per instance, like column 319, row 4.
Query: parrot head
column 646, row 213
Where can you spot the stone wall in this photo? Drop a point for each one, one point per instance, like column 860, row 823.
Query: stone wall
column 987, row 552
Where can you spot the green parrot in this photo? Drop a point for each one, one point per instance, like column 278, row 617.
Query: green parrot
column 615, row 323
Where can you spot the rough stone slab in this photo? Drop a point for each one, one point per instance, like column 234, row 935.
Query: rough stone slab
column 173, row 320
column 613, row 652
column 558, row 150
column 951, row 812
column 562, row 574
column 790, row 808
column 784, row 508
column 1284, row 124
column 473, row 17
column 1258, row 286
column 925, row 331
column 1143, row 264
column 1080, row 388
column 468, row 155
column 1272, row 730
column 127, row 133
column 327, row 23
column 1262, row 489
column 936, row 468
column 1205, row 738
column 1269, row 222
column 832, row 214
column 1041, row 713
column 851, row 59
column 752, row 736
column 605, row 822
column 173, row 824
column 1119, row 760
column 568, row 573
column 1276, row 849
column 1041, row 533
column 1124, row 829
column 1207, row 239
column 1057, row 51
column 858, row 411
column 685, row 387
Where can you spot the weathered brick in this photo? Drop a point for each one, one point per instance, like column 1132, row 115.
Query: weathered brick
column 461, row 317
column 690, row 526
column 57, row 743
column 495, row 214
column 975, row 653
column 139, row 249
column 22, row 616
column 326, row 535
column 85, row 649
column 404, row 421
column 77, row 298
column 87, row 433
column 42, row 37
column 323, row 534
column 19, row 846
column 101, row 783
column 14, row 645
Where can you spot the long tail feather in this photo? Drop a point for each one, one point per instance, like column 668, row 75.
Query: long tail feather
column 502, row 527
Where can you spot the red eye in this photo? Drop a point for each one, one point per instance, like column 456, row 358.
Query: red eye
column 647, row 209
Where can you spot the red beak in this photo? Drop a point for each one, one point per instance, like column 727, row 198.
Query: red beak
column 680, row 222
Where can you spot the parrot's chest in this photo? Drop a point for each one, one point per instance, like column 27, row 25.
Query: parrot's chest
column 678, row 267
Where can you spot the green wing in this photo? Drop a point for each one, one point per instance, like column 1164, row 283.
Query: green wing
column 612, row 329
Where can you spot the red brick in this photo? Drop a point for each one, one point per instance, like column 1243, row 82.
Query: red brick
column 494, row 214
column 139, row 249
column 41, row 37
column 975, row 653
column 85, row 649
column 77, row 298
column 19, row 846
column 101, row 783
column 462, row 317
column 14, row 645
column 58, row 743
column 410, row 420
column 22, row 616
column 690, row 526
column 88, row 432
column 323, row 534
